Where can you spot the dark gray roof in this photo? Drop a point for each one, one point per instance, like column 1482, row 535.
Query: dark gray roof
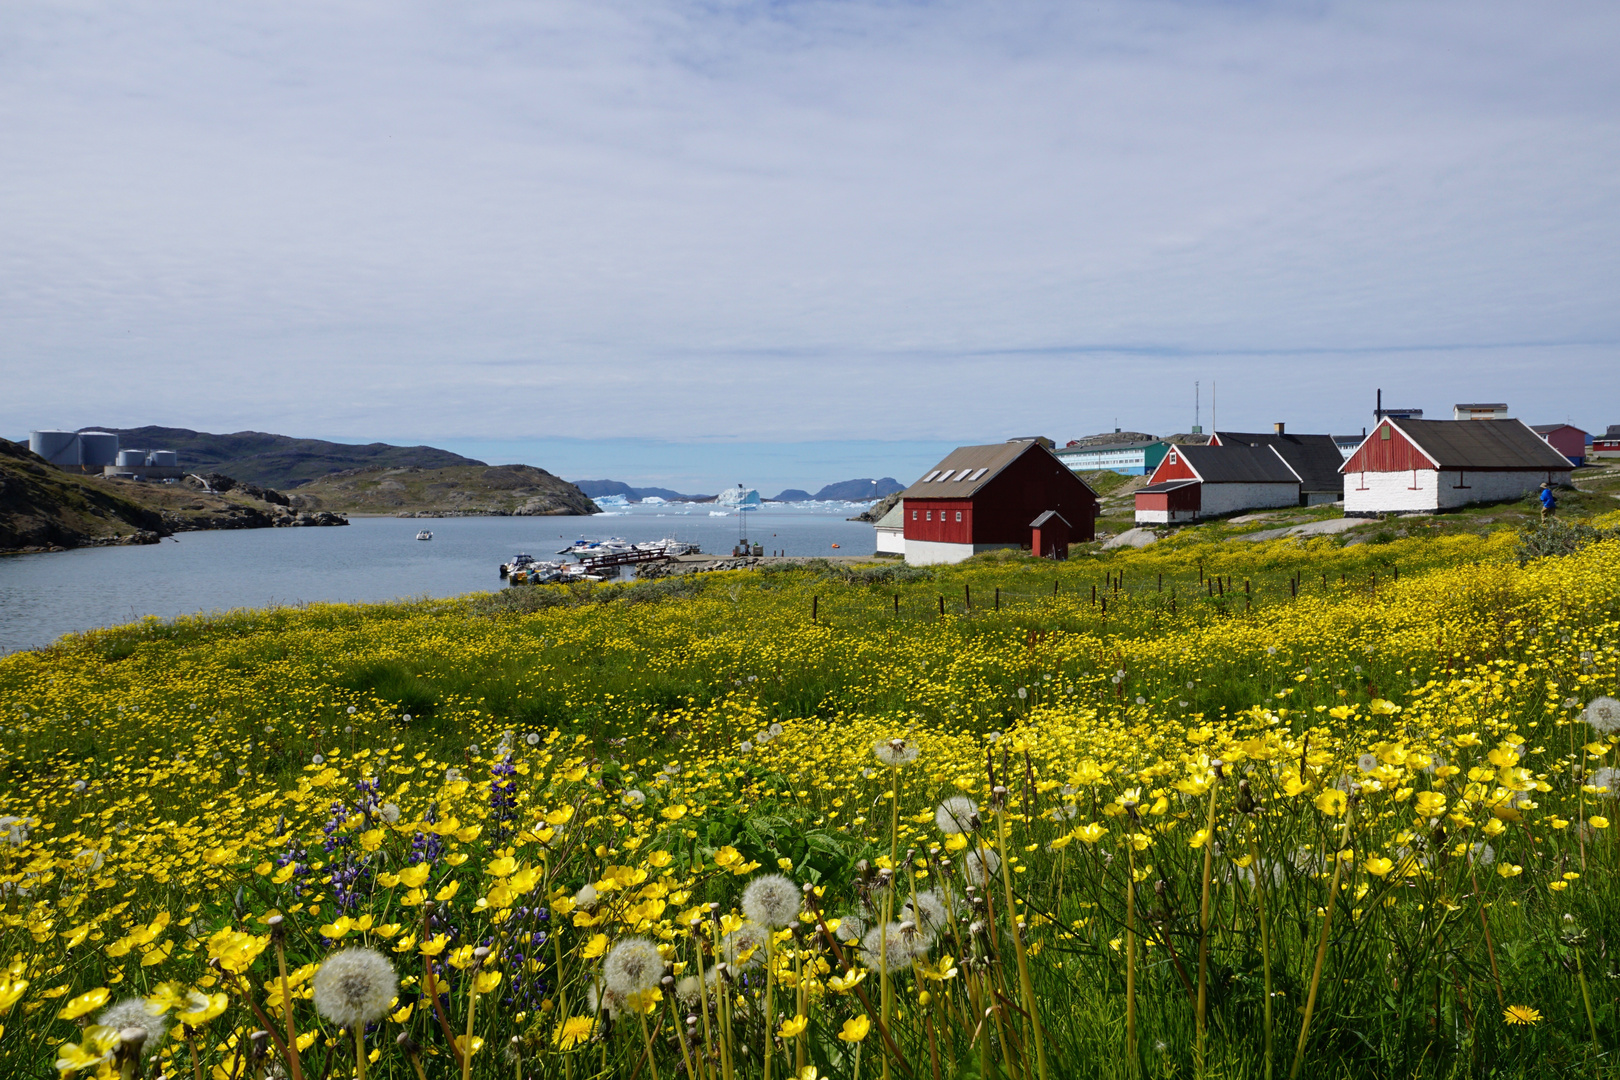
column 1048, row 516
column 1239, row 464
column 972, row 467
column 1168, row 485
column 1613, row 432
column 1315, row 458
column 1548, row 429
column 1482, row 444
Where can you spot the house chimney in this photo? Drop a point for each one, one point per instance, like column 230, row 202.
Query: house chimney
column 1278, row 426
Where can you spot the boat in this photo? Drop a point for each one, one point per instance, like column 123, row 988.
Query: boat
column 521, row 561
column 424, row 535
column 585, row 549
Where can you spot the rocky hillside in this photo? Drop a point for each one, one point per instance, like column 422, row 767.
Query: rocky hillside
column 462, row 491
column 279, row 461
column 42, row 507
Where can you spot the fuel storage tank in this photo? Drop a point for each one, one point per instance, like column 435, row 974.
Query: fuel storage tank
column 98, row 449
column 56, row 447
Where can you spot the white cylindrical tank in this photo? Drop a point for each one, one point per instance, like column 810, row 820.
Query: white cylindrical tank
column 98, row 448
column 56, row 447
column 131, row 459
column 163, row 459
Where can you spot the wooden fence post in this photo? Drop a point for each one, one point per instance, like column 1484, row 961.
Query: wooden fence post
column 998, row 597
column 942, row 607
column 967, row 595
column 897, row 603
column 815, row 602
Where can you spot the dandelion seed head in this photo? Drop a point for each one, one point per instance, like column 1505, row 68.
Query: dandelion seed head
column 633, row 965
column 893, row 945
column 771, row 901
column 634, row 798
column 850, row 929
column 927, row 910
column 981, row 866
column 1604, row 715
column 354, row 987
column 748, row 940
column 896, row 752
column 957, row 814
column 135, row 1013
column 1607, row 777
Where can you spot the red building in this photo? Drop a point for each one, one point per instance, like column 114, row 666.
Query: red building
column 1567, row 439
column 1007, row 495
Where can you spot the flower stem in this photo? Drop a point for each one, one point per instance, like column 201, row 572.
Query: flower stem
column 1203, row 932
column 1265, row 940
column 770, row 998
column 293, row 1062
column 646, row 1037
column 1321, row 950
column 359, row 1051
column 1024, row 982
column 467, row 1048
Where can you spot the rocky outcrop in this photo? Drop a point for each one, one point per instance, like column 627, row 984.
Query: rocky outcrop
column 43, row 508
column 876, row 511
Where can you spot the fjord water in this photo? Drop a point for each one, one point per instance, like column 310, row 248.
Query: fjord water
column 45, row 596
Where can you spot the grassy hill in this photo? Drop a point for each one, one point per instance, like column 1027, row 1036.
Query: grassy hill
column 279, row 461
column 517, row 490
column 42, row 507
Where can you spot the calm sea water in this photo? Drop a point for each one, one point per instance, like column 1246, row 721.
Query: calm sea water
column 45, row 596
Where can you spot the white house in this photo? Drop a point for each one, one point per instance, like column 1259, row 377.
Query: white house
column 1421, row 466
column 1479, row 410
column 1195, row 482
column 891, row 530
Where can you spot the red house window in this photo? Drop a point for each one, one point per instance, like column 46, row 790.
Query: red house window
column 959, row 515
column 930, row 515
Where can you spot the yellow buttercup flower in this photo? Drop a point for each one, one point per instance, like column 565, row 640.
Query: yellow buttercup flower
column 855, row 1030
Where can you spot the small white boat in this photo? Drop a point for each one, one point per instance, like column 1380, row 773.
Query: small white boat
column 424, row 535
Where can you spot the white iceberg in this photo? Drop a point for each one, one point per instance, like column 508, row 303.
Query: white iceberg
column 653, row 500
column 739, row 497
column 611, row 500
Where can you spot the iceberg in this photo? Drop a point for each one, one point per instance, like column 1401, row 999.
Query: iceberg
column 653, row 500
column 611, row 500
column 739, row 497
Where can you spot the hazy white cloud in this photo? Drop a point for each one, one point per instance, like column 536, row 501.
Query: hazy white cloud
column 803, row 221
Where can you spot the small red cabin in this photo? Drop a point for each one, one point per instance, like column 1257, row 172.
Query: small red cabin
column 1006, row 495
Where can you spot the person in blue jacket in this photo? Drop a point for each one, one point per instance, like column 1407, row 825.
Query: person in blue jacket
column 1549, row 505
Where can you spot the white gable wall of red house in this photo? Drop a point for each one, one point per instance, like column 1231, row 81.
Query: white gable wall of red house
column 1392, row 473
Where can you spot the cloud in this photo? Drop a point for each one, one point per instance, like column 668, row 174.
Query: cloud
column 802, row 221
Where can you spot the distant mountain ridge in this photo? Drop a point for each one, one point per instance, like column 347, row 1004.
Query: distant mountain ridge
column 863, row 490
column 595, row 488
column 279, row 461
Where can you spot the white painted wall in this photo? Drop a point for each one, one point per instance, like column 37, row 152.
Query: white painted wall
column 931, row 552
column 1218, row 499
column 1493, row 486
column 1164, row 517
column 1392, row 493
column 891, row 541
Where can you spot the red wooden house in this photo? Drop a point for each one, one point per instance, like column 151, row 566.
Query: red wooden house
column 1567, row 439
column 1422, row 466
column 1006, row 495
column 1211, row 481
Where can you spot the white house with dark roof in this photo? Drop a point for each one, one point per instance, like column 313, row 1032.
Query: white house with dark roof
column 1194, row 482
column 1421, row 466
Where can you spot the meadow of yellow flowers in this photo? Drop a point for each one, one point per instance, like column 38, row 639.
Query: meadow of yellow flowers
column 1206, row 808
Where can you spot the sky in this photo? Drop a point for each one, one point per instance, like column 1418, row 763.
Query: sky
column 789, row 243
